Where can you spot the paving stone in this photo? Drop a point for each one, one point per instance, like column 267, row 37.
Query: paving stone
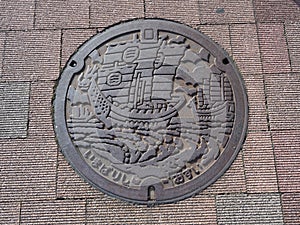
column 32, row 55
column 28, row 169
column 106, row 12
column 40, row 116
column 16, row 14
column 291, row 208
column 62, row 14
column 259, row 163
column 184, row 11
column 219, row 33
column 70, row 185
column 71, row 40
column 232, row 181
column 53, row 212
column 286, row 148
column 9, row 212
column 274, row 53
column 277, row 10
column 293, row 38
column 14, row 104
column 106, row 210
column 249, row 209
column 256, row 102
column 229, row 11
column 245, row 48
column 283, row 94
column 111, row 211
column 2, row 41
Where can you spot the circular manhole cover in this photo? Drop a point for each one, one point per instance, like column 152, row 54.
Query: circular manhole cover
column 150, row 111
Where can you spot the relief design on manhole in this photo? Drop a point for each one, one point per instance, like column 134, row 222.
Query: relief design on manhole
column 152, row 111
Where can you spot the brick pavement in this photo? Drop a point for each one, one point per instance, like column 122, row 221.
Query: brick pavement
column 39, row 187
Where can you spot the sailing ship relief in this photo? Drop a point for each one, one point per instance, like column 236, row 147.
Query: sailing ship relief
column 150, row 103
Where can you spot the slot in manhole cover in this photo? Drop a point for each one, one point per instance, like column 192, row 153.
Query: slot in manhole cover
column 150, row 111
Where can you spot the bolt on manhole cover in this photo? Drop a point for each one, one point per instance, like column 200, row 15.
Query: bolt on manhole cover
column 150, row 111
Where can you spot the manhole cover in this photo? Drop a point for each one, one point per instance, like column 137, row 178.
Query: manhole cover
column 150, row 111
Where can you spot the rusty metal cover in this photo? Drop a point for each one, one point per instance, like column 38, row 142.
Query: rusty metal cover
column 150, row 111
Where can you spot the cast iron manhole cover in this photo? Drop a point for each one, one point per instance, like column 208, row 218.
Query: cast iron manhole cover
column 150, row 111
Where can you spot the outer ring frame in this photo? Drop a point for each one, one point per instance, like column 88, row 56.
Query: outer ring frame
column 76, row 63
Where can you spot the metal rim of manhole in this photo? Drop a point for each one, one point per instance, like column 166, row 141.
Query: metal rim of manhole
column 150, row 111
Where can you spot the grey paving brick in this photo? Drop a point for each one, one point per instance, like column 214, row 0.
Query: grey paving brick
column 14, row 104
column 249, row 209
column 53, row 212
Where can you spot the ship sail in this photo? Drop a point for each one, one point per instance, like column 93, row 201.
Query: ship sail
column 137, row 77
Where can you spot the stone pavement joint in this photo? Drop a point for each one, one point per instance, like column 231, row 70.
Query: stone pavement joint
column 274, row 53
column 40, row 117
column 256, row 100
column 292, row 30
column 260, row 159
column 2, row 42
column 286, row 148
column 282, row 90
column 10, row 212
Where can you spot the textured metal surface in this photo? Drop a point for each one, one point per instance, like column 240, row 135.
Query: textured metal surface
column 150, row 111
